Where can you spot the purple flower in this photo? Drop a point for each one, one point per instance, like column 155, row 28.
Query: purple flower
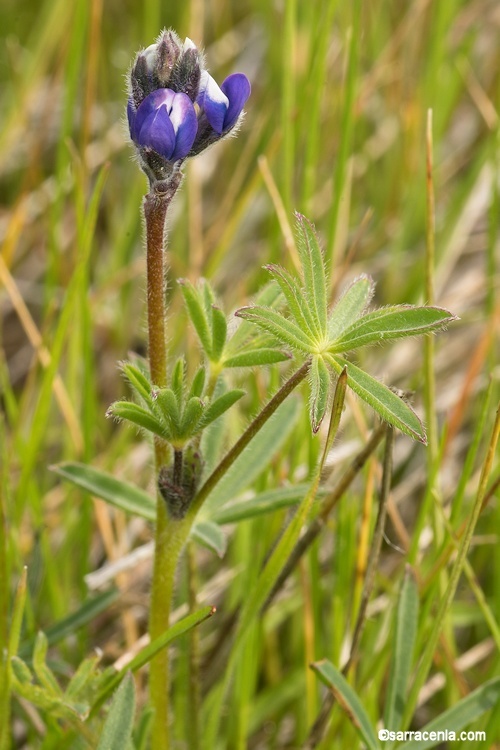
column 165, row 122
column 223, row 106
column 175, row 108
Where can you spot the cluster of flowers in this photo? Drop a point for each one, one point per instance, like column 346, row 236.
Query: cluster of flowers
column 175, row 108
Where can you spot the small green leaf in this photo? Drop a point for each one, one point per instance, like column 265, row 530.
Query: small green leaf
column 86, row 672
column 210, row 535
column 137, row 380
column 178, row 380
column 167, row 409
column 319, row 378
column 390, row 407
column 191, row 417
column 350, row 306
column 278, row 326
column 348, row 700
column 137, row 415
column 463, row 713
column 219, row 333
column 313, row 266
column 21, row 671
column 257, row 357
column 198, row 383
column 117, row 729
column 117, row 492
column 295, row 298
column 391, row 323
column 402, row 656
column 197, row 314
column 44, row 674
column 208, row 297
column 220, row 405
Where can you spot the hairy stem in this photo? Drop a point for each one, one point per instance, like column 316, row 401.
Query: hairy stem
column 156, row 206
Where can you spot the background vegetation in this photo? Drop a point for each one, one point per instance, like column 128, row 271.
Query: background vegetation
column 335, row 128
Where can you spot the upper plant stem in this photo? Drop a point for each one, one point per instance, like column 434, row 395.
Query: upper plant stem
column 156, row 205
column 155, row 211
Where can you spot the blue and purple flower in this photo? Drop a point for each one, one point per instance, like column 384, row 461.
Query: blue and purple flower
column 175, row 108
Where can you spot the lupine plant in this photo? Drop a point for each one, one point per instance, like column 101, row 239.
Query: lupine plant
column 175, row 111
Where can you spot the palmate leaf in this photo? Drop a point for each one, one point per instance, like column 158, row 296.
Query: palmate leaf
column 350, row 306
column 313, row 267
column 274, row 323
column 391, row 323
column 385, row 402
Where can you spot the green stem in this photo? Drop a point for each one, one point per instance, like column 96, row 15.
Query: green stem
column 156, row 206
column 171, row 536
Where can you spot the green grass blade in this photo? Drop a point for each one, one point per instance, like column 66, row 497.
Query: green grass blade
column 456, row 572
column 457, row 717
column 149, row 651
column 117, row 729
column 389, row 406
column 76, row 620
column 404, row 642
column 17, row 615
column 348, row 700
column 117, row 492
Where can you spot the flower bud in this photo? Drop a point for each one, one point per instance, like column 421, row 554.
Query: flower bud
column 175, row 108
